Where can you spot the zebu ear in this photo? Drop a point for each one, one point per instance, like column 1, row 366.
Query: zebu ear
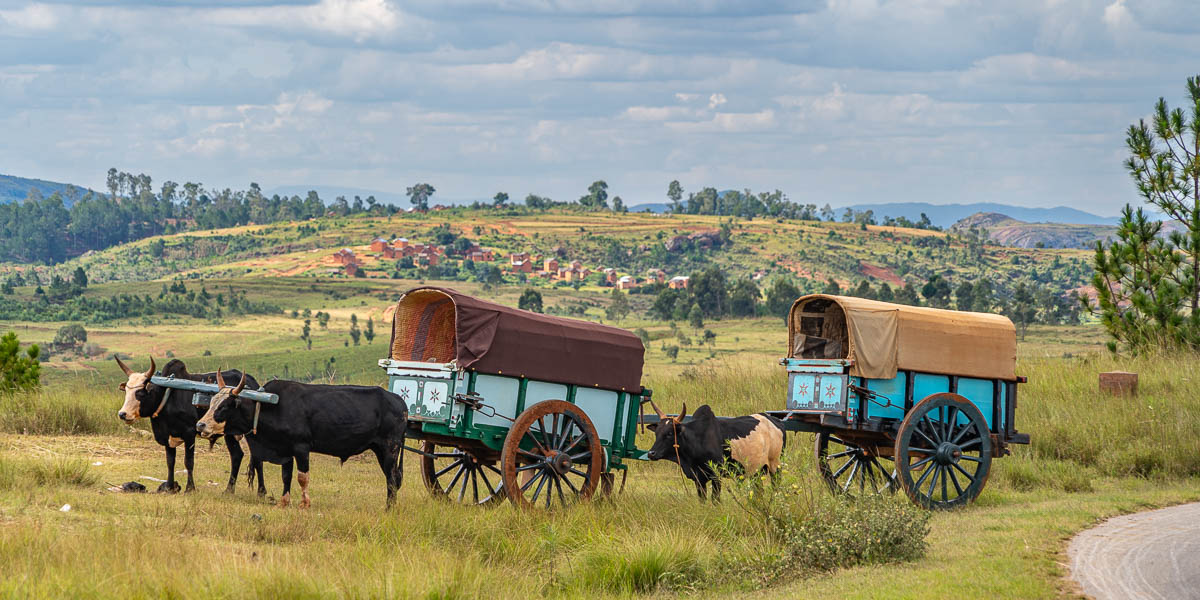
column 652, row 426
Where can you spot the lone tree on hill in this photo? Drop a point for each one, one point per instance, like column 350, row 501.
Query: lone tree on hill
column 618, row 307
column 675, row 195
column 530, row 300
column 1148, row 284
column 500, row 200
column 419, row 195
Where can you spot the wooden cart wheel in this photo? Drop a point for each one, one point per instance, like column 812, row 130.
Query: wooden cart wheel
column 551, row 456
column 943, row 452
column 460, row 475
column 852, row 469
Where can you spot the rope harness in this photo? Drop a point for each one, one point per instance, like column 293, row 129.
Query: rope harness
column 161, row 404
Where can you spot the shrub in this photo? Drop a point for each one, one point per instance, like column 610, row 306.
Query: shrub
column 816, row 531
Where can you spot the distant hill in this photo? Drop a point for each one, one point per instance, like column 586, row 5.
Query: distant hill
column 1008, row 231
column 15, row 189
column 945, row 215
column 654, row 207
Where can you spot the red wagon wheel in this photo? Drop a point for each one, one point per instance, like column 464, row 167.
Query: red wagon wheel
column 460, row 475
column 552, row 456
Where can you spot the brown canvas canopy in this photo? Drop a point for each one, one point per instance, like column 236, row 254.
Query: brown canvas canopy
column 434, row 324
column 881, row 337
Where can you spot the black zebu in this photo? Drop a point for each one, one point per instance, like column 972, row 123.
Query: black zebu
column 173, row 420
column 755, row 442
column 337, row 420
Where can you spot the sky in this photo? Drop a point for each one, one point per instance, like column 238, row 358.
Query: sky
column 838, row 101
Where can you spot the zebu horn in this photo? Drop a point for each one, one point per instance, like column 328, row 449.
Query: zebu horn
column 241, row 384
column 661, row 416
column 150, row 373
column 123, row 366
column 220, row 380
column 682, row 414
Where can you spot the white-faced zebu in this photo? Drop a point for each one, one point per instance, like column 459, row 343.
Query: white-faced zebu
column 755, row 442
column 173, row 420
column 337, row 420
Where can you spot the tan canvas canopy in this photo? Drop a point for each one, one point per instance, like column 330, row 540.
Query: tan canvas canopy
column 881, row 338
column 441, row 325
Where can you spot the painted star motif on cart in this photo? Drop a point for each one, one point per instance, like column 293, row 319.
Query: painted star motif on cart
column 829, row 390
column 803, row 389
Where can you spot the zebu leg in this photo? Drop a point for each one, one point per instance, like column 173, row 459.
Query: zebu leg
column 169, row 486
column 285, row 471
column 302, row 477
column 235, row 460
column 189, row 462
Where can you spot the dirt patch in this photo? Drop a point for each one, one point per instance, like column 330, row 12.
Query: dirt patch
column 880, row 273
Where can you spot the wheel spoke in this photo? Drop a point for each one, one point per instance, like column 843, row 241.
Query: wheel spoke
column 965, row 445
column 487, row 483
column 954, row 479
column 525, row 486
column 969, row 476
column 494, row 470
column 965, row 430
column 850, row 478
column 475, row 484
column 579, row 438
column 443, row 471
column 567, row 480
column 581, row 455
column 462, row 491
column 917, row 430
column 540, row 485
column 558, row 486
column 917, row 485
column 843, row 468
column 888, row 478
column 579, row 473
column 568, row 427
column 922, row 450
column 839, row 454
column 970, row 458
column 921, row 462
column 446, row 454
column 537, row 465
column 945, row 492
column 537, row 457
column 453, row 481
column 933, row 481
column 951, row 421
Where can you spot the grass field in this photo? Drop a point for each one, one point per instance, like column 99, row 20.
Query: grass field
column 1092, row 456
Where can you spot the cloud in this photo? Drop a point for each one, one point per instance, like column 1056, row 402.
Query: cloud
column 1021, row 101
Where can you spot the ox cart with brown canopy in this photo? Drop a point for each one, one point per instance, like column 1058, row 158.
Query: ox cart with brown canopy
column 899, row 396
column 511, row 403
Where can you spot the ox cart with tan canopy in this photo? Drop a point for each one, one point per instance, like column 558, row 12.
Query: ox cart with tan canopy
column 917, row 398
column 514, row 404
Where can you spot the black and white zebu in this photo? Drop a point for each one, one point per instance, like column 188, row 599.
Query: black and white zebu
column 173, row 420
column 337, row 420
column 755, row 442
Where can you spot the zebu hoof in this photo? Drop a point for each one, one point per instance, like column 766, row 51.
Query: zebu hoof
column 305, row 502
column 168, row 487
column 284, row 501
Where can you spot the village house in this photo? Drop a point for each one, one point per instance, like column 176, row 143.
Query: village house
column 481, row 256
column 626, row 283
column 518, row 257
column 679, row 282
column 551, row 266
column 657, row 275
column 351, row 269
column 610, row 275
column 522, row 266
column 378, row 244
column 391, row 252
column 428, row 258
column 345, row 256
column 400, row 242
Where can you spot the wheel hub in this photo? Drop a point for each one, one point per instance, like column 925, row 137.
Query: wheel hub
column 947, row 453
column 559, row 461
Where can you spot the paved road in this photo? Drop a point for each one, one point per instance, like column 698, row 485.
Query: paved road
column 1152, row 555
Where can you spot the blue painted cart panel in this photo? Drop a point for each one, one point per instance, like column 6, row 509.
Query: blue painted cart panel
column 891, row 406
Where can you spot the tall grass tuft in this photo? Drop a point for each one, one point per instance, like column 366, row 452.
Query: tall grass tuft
column 63, row 471
column 58, row 410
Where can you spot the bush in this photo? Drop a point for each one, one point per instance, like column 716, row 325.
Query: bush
column 18, row 370
column 817, row 531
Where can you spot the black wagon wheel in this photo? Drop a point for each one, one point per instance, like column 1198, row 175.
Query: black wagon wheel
column 849, row 468
column 460, row 475
column 943, row 452
column 552, row 456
